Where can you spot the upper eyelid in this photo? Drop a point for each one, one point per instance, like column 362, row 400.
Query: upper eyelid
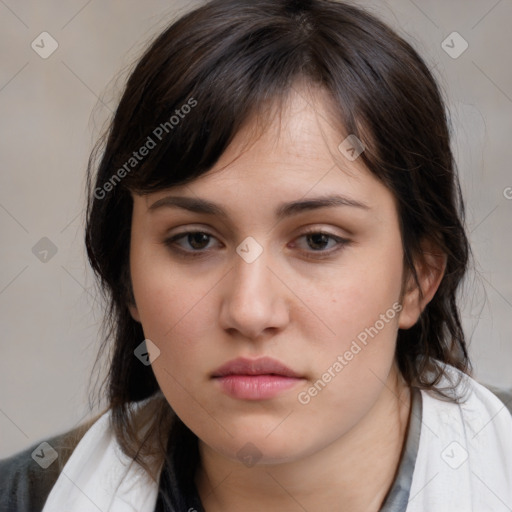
column 307, row 231
column 316, row 227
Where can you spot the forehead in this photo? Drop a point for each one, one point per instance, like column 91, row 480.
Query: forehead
column 301, row 125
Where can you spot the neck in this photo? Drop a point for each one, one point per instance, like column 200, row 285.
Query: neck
column 357, row 470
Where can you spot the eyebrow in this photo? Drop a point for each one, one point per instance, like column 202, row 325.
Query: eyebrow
column 197, row 205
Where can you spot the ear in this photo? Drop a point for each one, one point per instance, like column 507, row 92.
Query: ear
column 430, row 268
column 134, row 311
column 128, row 294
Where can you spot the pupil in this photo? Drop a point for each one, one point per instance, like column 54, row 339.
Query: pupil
column 194, row 237
column 319, row 238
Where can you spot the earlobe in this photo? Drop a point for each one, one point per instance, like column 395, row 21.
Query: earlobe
column 430, row 269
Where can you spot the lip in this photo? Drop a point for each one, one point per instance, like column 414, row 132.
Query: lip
column 255, row 379
column 261, row 366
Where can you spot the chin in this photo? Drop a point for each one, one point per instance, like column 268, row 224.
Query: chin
column 255, row 447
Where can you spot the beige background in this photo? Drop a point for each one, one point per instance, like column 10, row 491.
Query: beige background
column 53, row 109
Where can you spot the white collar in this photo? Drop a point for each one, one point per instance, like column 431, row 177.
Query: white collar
column 464, row 460
column 100, row 477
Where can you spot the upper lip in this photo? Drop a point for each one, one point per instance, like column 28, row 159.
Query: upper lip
column 261, row 366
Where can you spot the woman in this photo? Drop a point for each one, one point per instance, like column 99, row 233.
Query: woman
column 276, row 221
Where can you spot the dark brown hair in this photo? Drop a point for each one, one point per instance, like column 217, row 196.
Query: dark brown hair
column 226, row 60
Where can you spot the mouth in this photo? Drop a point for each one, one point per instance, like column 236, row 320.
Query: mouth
column 257, row 379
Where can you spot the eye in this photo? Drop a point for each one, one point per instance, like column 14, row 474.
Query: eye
column 197, row 243
column 319, row 241
column 197, row 240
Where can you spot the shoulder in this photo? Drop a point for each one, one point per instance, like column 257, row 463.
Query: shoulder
column 27, row 477
column 484, row 412
column 465, row 447
column 494, row 400
column 504, row 395
column 489, row 410
column 467, row 390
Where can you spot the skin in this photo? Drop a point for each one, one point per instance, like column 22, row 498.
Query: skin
column 343, row 447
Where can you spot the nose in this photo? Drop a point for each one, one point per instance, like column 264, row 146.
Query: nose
column 255, row 301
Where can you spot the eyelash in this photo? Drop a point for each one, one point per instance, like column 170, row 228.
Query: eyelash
column 320, row 254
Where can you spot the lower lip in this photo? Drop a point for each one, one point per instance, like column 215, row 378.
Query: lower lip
column 255, row 387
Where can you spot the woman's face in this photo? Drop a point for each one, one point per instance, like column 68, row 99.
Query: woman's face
column 253, row 283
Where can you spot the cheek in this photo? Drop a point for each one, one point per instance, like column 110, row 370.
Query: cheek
column 176, row 314
column 361, row 308
column 361, row 349
column 167, row 295
column 353, row 297
column 352, row 368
